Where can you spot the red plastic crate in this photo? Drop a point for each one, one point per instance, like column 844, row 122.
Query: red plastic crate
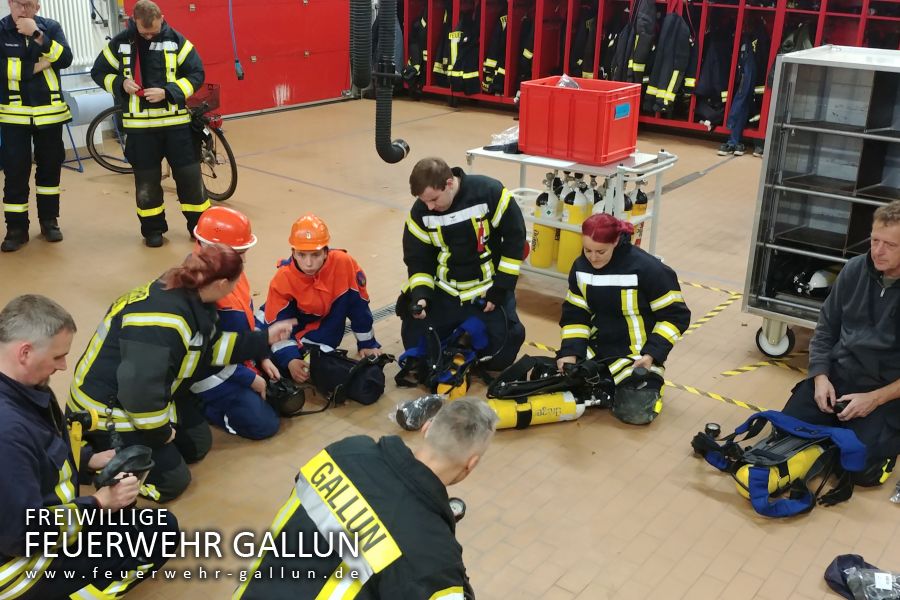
column 596, row 124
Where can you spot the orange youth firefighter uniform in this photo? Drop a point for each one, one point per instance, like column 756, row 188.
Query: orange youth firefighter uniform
column 322, row 303
column 381, row 495
column 138, row 367
column 32, row 112
column 229, row 401
column 160, row 130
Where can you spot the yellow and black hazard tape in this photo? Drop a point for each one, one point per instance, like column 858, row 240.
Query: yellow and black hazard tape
column 709, row 287
column 543, row 347
column 709, row 316
column 714, row 396
column 776, row 362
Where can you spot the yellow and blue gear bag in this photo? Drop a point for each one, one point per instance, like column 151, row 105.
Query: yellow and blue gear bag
column 785, row 462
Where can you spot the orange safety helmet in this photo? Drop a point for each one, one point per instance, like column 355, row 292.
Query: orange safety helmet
column 309, row 233
column 222, row 225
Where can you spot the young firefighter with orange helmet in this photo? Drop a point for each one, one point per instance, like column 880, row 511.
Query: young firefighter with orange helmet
column 322, row 288
column 234, row 398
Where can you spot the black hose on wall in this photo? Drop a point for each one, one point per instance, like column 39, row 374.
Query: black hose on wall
column 360, row 19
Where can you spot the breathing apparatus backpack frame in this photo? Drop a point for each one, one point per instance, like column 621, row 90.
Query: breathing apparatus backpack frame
column 536, row 387
column 434, row 361
column 769, row 462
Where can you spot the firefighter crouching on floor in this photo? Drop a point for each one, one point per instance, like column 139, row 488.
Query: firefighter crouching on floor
column 393, row 500
column 33, row 51
column 321, row 288
column 234, row 398
column 624, row 306
column 463, row 246
column 41, row 473
column 152, row 343
column 151, row 70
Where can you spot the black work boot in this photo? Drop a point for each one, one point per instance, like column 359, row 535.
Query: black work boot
column 15, row 239
column 153, row 240
column 50, row 230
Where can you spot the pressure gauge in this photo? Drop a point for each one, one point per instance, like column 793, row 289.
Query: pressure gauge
column 458, row 507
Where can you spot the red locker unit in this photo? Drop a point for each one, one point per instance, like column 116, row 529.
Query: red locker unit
column 866, row 23
column 292, row 51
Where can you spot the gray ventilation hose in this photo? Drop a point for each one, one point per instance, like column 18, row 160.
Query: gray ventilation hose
column 361, row 18
column 361, row 42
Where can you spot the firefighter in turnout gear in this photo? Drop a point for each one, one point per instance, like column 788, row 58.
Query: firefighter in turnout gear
column 463, row 245
column 33, row 51
column 389, row 498
column 624, row 306
column 321, row 288
column 41, row 475
column 152, row 344
column 151, row 70
column 234, row 397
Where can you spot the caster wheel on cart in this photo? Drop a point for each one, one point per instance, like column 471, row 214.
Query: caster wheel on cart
column 782, row 348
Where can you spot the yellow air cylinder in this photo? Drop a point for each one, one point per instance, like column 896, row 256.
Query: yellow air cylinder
column 798, row 466
column 574, row 213
column 536, row 410
column 545, row 239
column 453, row 392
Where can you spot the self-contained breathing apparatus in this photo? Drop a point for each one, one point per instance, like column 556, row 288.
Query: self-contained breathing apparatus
column 786, row 461
column 335, row 376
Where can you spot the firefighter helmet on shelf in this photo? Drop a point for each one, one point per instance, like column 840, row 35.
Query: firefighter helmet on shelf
column 309, row 233
column 223, row 225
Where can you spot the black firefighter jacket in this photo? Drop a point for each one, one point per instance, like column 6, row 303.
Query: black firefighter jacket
column 630, row 307
column 27, row 98
column 152, row 343
column 476, row 243
column 169, row 61
column 398, row 508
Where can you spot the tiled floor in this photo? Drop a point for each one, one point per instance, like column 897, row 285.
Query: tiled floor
column 592, row 509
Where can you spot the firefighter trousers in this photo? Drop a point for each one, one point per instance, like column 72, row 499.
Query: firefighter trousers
column 505, row 332
column 241, row 411
column 181, row 148
column 170, row 475
column 94, row 574
column 16, row 154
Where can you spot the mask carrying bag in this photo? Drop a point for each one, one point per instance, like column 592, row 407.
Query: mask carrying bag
column 338, row 377
column 792, row 455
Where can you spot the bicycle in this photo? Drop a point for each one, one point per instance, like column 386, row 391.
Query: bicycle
column 106, row 143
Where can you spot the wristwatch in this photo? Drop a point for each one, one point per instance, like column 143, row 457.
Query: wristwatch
column 37, row 33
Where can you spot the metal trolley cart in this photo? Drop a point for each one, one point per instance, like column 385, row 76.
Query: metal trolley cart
column 637, row 168
column 833, row 157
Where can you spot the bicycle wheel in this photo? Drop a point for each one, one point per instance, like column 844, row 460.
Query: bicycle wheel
column 106, row 141
column 218, row 166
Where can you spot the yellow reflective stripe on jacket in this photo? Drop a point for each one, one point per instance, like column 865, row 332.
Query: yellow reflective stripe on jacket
column 668, row 331
column 108, row 82
column 501, row 208
column 570, row 332
column 330, row 497
column 13, row 72
column 55, row 51
column 421, row 279
column 636, row 332
column 666, row 300
column 147, row 123
column 509, row 266
column 110, row 58
column 339, row 586
column 171, row 321
column 451, row 593
column 64, row 489
column 183, row 53
column 153, row 419
column 576, row 300
column 417, row 231
column 222, row 349
column 185, row 86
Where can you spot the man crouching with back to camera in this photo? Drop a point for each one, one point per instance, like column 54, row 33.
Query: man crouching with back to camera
column 393, row 502
column 45, row 527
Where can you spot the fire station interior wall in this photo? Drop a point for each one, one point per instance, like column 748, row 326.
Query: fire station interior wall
column 292, row 52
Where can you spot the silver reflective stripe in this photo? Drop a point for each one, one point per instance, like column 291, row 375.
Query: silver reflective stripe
column 630, row 280
column 282, row 345
column 327, row 524
column 434, row 221
column 364, row 337
column 204, row 385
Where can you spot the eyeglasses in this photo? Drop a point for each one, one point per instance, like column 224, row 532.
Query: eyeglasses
column 26, row 4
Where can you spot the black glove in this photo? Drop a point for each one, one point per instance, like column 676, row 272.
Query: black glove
column 496, row 296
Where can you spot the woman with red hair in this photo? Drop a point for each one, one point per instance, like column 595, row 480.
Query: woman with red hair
column 152, row 344
column 624, row 306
